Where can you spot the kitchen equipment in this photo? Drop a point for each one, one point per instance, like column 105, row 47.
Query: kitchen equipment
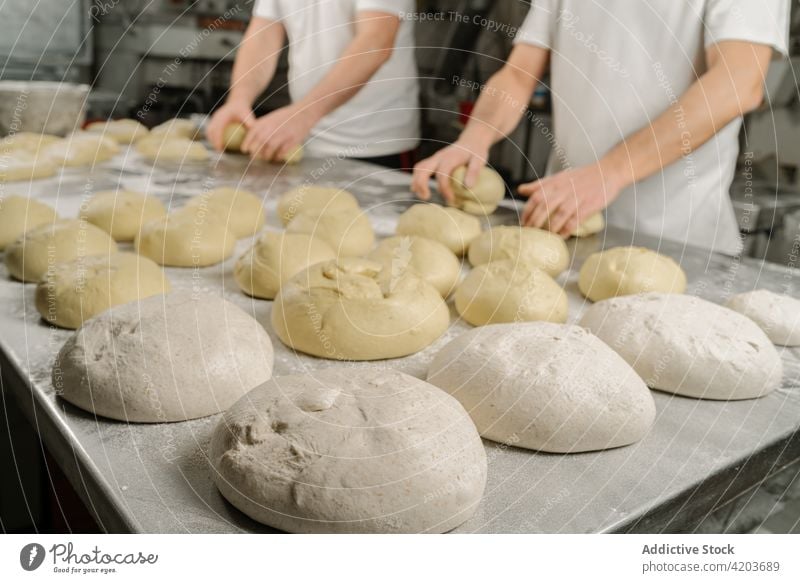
column 43, row 107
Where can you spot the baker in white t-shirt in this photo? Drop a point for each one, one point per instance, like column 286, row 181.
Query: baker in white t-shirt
column 352, row 80
column 648, row 99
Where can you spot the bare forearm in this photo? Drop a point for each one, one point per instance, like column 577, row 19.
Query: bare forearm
column 256, row 60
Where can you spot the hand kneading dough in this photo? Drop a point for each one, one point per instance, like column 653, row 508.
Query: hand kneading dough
column 352, row 309
column 164, row 358
column 275, row 259
column 121, row 213
column 233, row 137
column 544, row 249
column 187, row 238
column 510, row 291
column 31, row 256
column 483, row 197
column 624, row 271
column 240, row 209
column 688, row 346
column 427, row 258
column 453, row 228
column 343, row 451
column 776, row 314
column 82, row 149
column 169, row 149
column 348, row 232
column 548, row 387
column 122, row 131
column 73, row 292
column 20, row 214
column 314, row 199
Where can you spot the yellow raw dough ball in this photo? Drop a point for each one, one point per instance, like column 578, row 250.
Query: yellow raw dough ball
column 451, row 227
column 81, row 149
column 240, row 209
column 121, row 213
column 186, row 239
column 233, row 136
column 171, row 149
column 27, row 142
column 348, row 232
column 314, row 199
column 546, row 250
column 19, row 214
column 176, row 128
column 122, row 131
column 426, row 258
column 483, row 197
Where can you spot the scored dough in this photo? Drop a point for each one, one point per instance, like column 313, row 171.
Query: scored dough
column 348, row 232
column 352, row 309
column 19, row 214
column 451, row 227
column 187, row 238
column 623, row 271
column 240, row 209
column 427, row 258
column 121, row 213
column 777, row 315
column 483, row 197
column 343, row 451
column 75, row 291
column 314, row 199
column 171, row 149
column 122, row 131
column 81, row 149
column 548, row 387
column 544, row 249
column 164, row 358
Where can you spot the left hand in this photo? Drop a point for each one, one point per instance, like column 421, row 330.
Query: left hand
column 276, row 134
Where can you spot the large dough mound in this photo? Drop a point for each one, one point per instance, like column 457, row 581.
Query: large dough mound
column 623, row 271
column 121, row 213
column 483, row 197
column 352, row 309
column 165, row 358
column 240, row 209
column 546, row 250
column 122, row 131
column 688, row 346
column 778, row 315
column 549, row 387
column 164, row 148
column 451, row 227
column 187, row 238
column 82, row 149
column 314, row 199
column 343, row 451
column 73, row 292
column 429, row 259
column 19, row 214
column 348, row 232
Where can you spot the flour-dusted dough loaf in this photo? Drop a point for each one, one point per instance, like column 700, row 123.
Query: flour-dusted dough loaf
column 453, row 228
column 314, row 199
column 122, row 131
column 344, row 451
column 164, row 358
column 777, row 315
column 276, row 258
column 688, row 346
column 176, row 128
column 121, row 213
column 623, row 271
column 485, row 194
column 348, row 232
column 29, row 257
column 543, row 386
column 20, row 214
column 24, row 167
column 164, row 148
column 427, row 258
column 75, row 291
column 510, row 291
column 353, row 309
column 542, row 248
column 240, row 209
column 81, row 149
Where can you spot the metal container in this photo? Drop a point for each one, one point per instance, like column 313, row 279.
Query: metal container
column 42, row 107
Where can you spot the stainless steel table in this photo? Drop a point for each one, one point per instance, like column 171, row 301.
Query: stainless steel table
column 155, row 478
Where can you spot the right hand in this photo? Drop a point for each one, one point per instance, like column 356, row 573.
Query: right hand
column 231, row 112
column 443, row 163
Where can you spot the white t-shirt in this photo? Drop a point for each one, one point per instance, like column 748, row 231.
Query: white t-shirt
column 616, row 65
column 383, row 117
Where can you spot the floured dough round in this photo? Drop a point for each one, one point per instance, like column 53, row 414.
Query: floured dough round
column 351, row 309
column 29, row 257
column 73, row 292
column 314, row 199
column 343, row 451
column 427, row 258
column 171, row 149
column 233, row 137
column 121, row 213
column 81, row 149
column 240, row 209
column 122, row 131
column 548, row 387
column 26, row 142
column 19, row 214
column 348, row 232
column 544, row 249
column 777, row 315
column 453, row 228
column 688, row 346
column 275, row 258
column 164, row 358
column 176, row 128
column 510, row 291
column 623, row 271
column 483, row 197
column 22, row 166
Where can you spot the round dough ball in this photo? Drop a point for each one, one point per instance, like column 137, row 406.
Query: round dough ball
column 122, row 131
column 623, row 271
column 542, row 386
column 688, row 346
column 170, row 149
column 164, row 358
column 314, row 199
column 426, row 258
column 776, row 314
column 510, row 291
column 348, row 232
column 352, row 309
column 275, row 259
column 20, row 214
column 233, row 137
column 24, row 167
column 73, row 292
column 542, row 248
column 451, row 227
column 240, row 209
column 26, row 142
column 343, row 451
column 294, row 156
column 121, row 213
column 82, row 149
column 29, row 257
column 591, row 226
column 176, row 128
column 483, row 197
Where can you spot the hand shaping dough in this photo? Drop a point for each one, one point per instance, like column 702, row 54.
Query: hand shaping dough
column 426, row 258
column 170, row 149
column 20, row 214
column 24, row 167
column 29, row 257
column 453, row 228
column 510, row 291
column 121, row 213
column 623, row 271
column 542, row 386
column 82, row 149
column 348, row 232
column 240, row 209
column 688, row 346
column 776, row 314
column 275, row 259
column 122, row 131
column 351, row 309
column 314, row 199
column 483, row 197
column 73, row 292
column 176, row 128
column 164, row 358
column 233, row 137
column 343, row 451
column 544, row 249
